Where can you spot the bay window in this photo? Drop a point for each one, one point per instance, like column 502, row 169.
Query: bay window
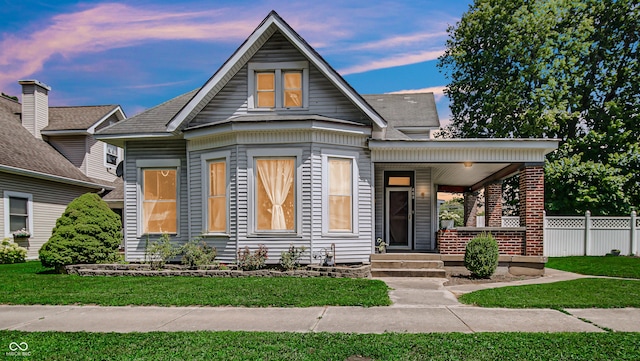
column 275, row 194
column 340, row 192
column 217, row 197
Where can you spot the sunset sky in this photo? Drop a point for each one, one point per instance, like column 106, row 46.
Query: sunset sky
column 140, row 54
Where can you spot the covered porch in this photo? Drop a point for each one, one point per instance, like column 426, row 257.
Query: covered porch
column 409, row 174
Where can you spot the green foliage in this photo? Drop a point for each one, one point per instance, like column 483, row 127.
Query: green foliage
column 290, row 259
column 10, row 252
column 157, row 253
column 626, row 267
column 29, row 283
column 564, row 69
column 197, row 253
column 248, row 261
column 481, row 256
column 87, row 232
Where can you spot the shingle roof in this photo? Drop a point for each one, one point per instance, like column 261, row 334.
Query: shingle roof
column 414, row 110
column 153, row 120
column 117, row 194
column 76, row 118
column 19, row 149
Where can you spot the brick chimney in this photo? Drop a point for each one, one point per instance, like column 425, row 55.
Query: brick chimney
column 35, row 106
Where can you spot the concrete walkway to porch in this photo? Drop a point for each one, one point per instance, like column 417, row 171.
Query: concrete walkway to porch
column 420, row 305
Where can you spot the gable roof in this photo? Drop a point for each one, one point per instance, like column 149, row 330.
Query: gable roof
column 22, row 153
column 260, row 35
column 405, row 112
column 85, row 118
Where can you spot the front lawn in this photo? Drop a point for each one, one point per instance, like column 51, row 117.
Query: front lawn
column 326, row 346
column 30, row 283
column 580, row 293
column 626, row 267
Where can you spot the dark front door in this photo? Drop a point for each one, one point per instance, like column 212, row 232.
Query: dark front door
column 399, row 213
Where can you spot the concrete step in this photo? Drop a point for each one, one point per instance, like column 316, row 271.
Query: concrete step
column 408, row 272
column 406, row 256
column 413, row 264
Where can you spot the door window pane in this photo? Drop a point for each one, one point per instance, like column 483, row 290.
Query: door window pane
column 217, row 197
column 159, row 210
column 340, row 194
column 275, row 200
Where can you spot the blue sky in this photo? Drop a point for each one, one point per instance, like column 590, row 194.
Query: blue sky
column 139, row 54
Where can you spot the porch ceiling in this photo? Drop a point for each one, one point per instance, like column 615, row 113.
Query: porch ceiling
column 456, row 174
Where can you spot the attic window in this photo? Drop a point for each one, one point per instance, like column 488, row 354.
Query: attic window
column 278, row 85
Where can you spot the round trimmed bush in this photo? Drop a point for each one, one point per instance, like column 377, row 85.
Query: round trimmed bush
column 481, row 256
column 87, row 232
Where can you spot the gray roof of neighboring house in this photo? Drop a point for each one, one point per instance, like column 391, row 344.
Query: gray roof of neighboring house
column 76, row 118
column 412, row 110
column 117, row 194
column 153, row 120
column 20, row 149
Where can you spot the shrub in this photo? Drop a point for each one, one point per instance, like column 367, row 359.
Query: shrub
column 252, row 261
column 10, row 252
column 87, row 232
column 481, row 256
column 197, row 253
column 159, row 252
column 290, row 259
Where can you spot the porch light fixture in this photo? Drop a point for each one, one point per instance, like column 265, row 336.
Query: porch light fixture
column 467, row 164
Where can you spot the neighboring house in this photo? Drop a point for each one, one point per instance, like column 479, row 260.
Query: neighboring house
column 277, row 149
column 48, row 157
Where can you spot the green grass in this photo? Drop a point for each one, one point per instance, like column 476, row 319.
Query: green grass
column 580, row 293
column 626, row 267
column 326, row 346
column 30, row 283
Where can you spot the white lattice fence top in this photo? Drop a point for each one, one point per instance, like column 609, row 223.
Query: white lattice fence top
column 610, row 222
column 510, row 221
column 565, row 222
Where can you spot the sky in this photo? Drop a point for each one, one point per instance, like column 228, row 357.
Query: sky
column 140, row 54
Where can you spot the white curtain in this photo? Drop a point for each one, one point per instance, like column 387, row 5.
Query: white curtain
column 276, row 176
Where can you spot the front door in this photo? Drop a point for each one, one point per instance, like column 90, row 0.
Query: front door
column 399, row 211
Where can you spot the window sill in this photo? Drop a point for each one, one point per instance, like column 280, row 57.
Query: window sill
column 216, row 235
column 271, row 110
column 340, row 235
column 274, row 235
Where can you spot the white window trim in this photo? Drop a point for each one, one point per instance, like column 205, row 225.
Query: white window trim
column 205, row 159
column 279, row 91
column 252, row 154
column 332, row 153
column 141, row 165
column 7, row 217
column 104, row 157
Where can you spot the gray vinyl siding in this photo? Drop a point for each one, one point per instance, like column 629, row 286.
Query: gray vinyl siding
column 152, row 150
column 423, row 234
column 95, row 160
column 72, row 147
column 324, row 98
column 50, row 199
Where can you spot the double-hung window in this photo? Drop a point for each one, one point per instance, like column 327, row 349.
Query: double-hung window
column 159, row 196
column 275, row 178
column 112, row 155
column 340, row 192
column 17, row 210
column 215, row 191
column 278, row 85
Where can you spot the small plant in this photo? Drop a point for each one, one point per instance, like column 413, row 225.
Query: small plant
column 10, row 252
column 158, row 253
column 21, row 233
column 290, row 259
column 248, row 261
column 197, row 253
column 481, row 256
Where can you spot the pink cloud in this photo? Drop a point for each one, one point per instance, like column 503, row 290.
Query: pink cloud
column 393, row 61
column 109, row 26
column 401, row 40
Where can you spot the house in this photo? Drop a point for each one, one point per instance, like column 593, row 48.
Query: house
column 49, row 157
column 277, row 149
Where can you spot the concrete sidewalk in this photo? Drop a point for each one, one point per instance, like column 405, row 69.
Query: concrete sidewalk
column 419, row 305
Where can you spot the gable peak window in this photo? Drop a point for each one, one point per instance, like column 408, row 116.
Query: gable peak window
column 278, row 85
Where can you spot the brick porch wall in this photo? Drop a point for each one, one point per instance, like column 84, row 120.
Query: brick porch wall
column 493, row 204
column 454, row 241
column 532, row 208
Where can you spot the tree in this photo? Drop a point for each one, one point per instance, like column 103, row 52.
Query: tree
column 87, row 232
column 564, row 69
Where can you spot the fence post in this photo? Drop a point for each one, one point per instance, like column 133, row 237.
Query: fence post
column 587, row 233
column 634, row 234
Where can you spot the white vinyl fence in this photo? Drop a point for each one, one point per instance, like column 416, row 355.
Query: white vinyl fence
column 590, row 236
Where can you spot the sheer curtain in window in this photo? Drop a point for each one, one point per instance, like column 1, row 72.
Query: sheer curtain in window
column 340, row 193
column 277, row 176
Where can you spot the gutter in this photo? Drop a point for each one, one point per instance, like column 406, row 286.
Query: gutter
column 51, row 177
